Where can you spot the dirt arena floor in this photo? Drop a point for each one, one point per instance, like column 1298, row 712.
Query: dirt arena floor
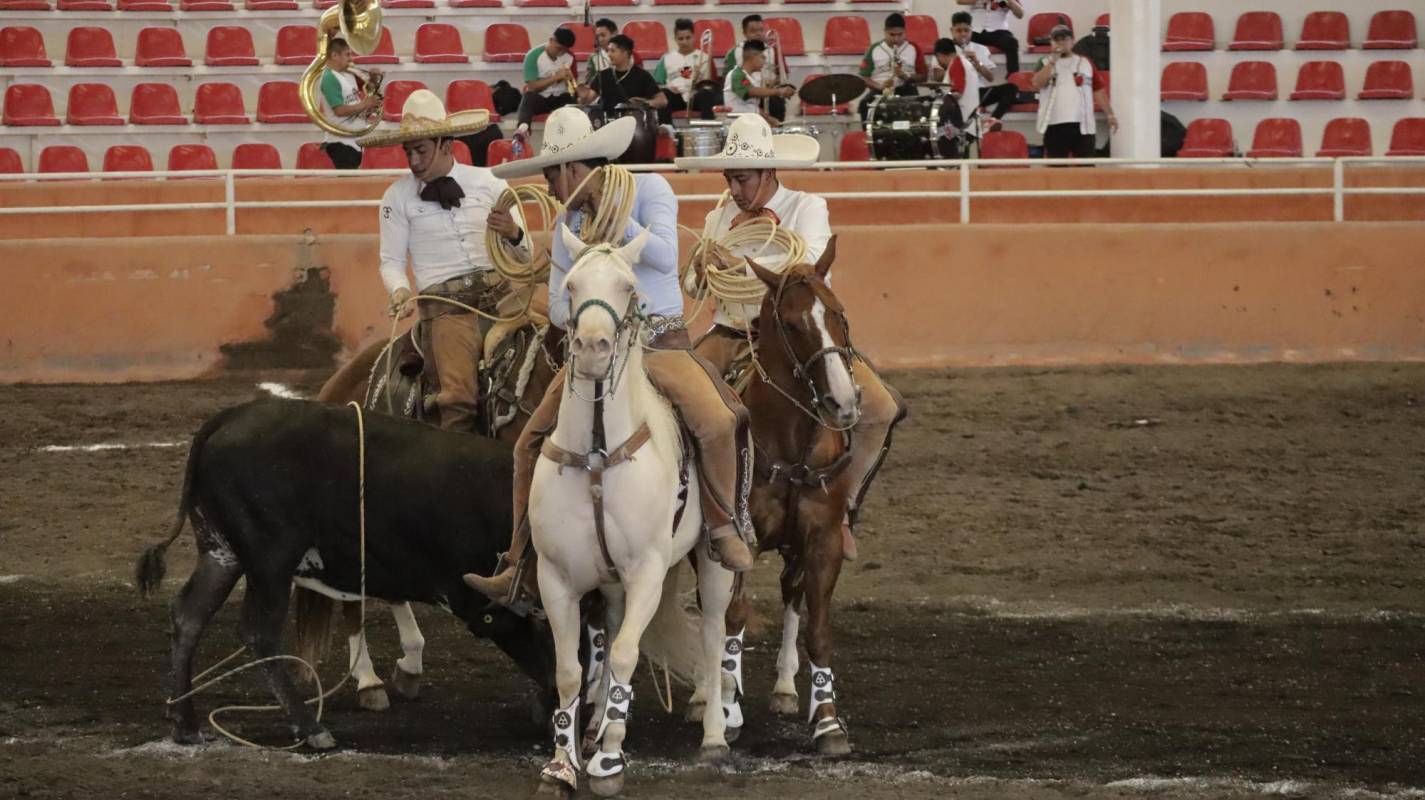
column 1100, row 583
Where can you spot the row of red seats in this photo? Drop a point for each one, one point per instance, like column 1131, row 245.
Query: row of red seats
column 1316, row 80
column 1262, row 30
column 29, row 104
column 1281, row 138
column 292, row 5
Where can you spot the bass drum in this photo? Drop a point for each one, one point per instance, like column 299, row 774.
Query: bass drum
column 644, row 147
column 907, row 128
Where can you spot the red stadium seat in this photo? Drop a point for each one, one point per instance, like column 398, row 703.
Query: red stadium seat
column 1207, row 138
column 28, row 104
column 185, row 157
column 438, row 43
column 501, row 150
column 812, row 109
column 22, row 46
column 84, row 5
column 921, row 31
column 1258, row 30
column 252, row 155
column 853, row 147
column 461, row 152
column 1004, row 144
column 1252, row 80
column 1325, row 30
column 1392, row 30
column 312, row 156
column 1039, row 27
column 385, row 52
column 1320, row 80
column 1408, row 137
column 24, row 5
column 278, row 103
column 90, row 47
column 506, row 41
column 270, row 5
column 1388, row 80
column 1347, row 136
column 650, row 38
column 155, row 104
column 541, row 3
column 724, row 37
column 597, row 3
column 1276, row 138
column 219, row 104
column 396, row 93
column 476, row 4
column 161, row 47
column 789, row 33
column 583, row 39
column 846, row 36
column 204, row 5
column 1103, row 21
column 63, row 158
column 467, row 94
column 677, row 2
column 408, row 4
column 145, row 5
column 230, row 46
column 10, row 163
column 127, row 158
column 1184, row 80
column 92, row 104
column 665, row 150
column 296, row 44
column 1024, row 82
column 392, row 156
column 1190, row 30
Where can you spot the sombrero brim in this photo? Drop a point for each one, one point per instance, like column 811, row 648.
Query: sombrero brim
column 609, row 142
column 461, row 123
column 789, row 151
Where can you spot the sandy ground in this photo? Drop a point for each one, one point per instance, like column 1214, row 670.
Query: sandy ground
column 1126, row 582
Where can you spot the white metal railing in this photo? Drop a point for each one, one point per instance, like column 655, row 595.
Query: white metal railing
column 964, row 192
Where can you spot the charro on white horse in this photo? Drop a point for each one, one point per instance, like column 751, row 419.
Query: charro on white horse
column 606, row 513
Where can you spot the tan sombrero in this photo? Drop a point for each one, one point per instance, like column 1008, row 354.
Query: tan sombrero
column 423, row 117
column 751, row 145
column 570, row 136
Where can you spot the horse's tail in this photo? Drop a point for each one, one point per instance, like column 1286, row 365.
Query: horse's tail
column 151, row 567
column 673, row 639
column 315, row 614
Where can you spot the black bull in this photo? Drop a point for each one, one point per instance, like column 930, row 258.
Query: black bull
column 271, row 480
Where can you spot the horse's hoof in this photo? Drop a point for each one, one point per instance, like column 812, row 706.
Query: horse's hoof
column 835, row 743
column 550, row 788
column 188, row 736
column 732, row 734
column 784, row 704
column 321, row 740
column 373, row 698
column 694, row 712
column 714, row 754
column 405, row 684
column 607, row 787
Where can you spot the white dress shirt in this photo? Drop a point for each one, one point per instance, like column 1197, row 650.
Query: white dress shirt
column 802, row 213
column 439, row 244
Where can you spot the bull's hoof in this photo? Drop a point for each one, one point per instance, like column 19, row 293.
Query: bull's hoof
column 714, row 754
column 784, row 704
column 835, row 743
column 321, row 740
column 406, row 685
column 694, row 712
column 188, row 736
column 607, row 787
column 732, row 734
column 373, row 698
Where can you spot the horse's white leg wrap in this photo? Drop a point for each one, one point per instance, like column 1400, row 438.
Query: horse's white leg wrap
column 603, row 763
column 413, row 643
column 823, row 692
column 787, row 662
column 566, row 741
column 732, row 671
column 360, row 662
column 598, row 657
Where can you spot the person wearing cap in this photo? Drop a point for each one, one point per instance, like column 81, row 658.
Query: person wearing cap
column 434, row 220
column 1068, row 85
column 749, row 163
column 892, row 63
column 571, row 153
column 991, row 20
column 548, row 71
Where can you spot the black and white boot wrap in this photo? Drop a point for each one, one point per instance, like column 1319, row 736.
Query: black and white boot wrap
column 732, row 667
column 620, row 697
column 598, row 657
column 567, row 742
column 823, row 692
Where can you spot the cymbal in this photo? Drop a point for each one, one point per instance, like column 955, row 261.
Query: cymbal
column 844, row 88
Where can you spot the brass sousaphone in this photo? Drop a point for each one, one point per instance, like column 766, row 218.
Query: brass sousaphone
column 359, row 23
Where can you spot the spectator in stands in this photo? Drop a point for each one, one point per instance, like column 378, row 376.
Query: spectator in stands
column 623, row 83
column 891, row 65
column 548, row 71
column 743, row 90
column 679, row 71
column 991, row 22
column 604, row 31
column 754, row 29
column 344, row 105
column 1068, row 86
column 967, row 69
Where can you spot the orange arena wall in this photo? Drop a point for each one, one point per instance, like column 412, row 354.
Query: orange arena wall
column 919, row 296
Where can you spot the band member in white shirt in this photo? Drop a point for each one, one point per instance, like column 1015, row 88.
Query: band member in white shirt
column 892, row 64
column 966, row 69
column 680, row 70
column 1068, row 87
column 754, row 29
column 743, row 91
column 433, row 221
column 991, row 23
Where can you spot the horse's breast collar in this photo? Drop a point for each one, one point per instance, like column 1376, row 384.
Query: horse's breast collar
column 622, row 453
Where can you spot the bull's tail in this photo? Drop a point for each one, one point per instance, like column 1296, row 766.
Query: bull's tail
column 674, row 637
column 314, row 619
column 151, row 566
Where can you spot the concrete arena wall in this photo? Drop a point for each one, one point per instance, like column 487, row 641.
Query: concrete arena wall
column 918, row 295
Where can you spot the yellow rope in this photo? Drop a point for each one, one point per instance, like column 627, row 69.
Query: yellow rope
column 615, row 206
column 509, row 262
column 725, row 276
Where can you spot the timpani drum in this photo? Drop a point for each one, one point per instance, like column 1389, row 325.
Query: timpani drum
column 907, row 128
column 698, row 141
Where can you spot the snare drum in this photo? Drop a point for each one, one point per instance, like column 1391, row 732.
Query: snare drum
column 702, row 140
column 906, row 128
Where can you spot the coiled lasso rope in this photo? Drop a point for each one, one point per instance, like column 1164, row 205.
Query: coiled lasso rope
column 321, row 696
column 509, row 263
column 725, row 276
column 610, row 219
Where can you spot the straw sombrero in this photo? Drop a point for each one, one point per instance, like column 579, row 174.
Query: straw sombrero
column 570, row 136
column 423, row 117
column 751, row 145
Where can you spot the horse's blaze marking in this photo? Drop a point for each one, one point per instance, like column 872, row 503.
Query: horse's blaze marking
column 838, row 379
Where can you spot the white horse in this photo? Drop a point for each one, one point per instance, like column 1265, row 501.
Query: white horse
column 602, row 515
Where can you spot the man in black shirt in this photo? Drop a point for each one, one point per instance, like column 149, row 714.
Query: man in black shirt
column 623, row 83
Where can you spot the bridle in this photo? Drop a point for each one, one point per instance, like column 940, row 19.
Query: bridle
column 629, row 323
column 802, row 368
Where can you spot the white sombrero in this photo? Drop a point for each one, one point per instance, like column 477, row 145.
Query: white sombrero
column 751, row 145
column 423, row 117
column 570, row 136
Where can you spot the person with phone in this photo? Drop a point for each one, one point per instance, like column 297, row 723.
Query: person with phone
column 1068, row 86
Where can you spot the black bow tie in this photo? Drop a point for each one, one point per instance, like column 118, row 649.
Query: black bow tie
column 444, row 191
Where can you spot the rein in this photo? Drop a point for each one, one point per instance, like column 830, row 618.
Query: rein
column 801, row 369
